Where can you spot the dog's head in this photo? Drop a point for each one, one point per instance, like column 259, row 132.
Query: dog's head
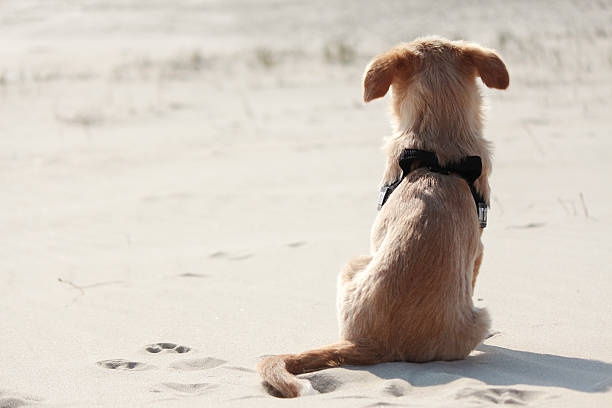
column 432, row 68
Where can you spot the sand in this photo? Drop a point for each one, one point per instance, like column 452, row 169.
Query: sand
column 182, row 181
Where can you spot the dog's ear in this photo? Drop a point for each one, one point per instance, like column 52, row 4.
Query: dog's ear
column 380, row 73
column 488, row 64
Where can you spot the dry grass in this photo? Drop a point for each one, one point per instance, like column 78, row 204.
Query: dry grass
column 339, row 52
column 266, row 58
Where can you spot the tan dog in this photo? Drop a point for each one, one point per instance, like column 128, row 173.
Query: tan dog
column 411, row 299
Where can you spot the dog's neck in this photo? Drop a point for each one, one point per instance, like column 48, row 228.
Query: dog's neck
column 448, row 124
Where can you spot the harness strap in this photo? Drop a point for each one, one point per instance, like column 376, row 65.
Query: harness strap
column 469, row 168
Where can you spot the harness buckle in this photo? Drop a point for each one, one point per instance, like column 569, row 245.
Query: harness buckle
column 482, row 214
column 385, row 191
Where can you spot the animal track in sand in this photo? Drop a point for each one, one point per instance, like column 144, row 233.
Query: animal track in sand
column 167, row 348
column 499, row 395
column 396, row 388
column 322, row 382
column 11, row 400
column 121, row 364
column 194, row 389
column 197, row 364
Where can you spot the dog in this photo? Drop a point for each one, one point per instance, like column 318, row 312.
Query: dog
column 411, row 299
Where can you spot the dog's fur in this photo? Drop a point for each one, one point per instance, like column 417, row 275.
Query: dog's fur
column 411, row 299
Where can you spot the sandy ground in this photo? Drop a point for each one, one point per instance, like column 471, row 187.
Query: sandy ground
column 197, row 173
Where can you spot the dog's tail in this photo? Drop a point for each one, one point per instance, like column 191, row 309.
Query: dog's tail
column 278, row 371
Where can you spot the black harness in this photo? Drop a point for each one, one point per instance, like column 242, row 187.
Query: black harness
column 469, row 168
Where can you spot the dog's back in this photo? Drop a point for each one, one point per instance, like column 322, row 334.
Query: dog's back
column 419, row 281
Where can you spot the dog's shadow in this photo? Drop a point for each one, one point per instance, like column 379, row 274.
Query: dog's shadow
column 499, row 366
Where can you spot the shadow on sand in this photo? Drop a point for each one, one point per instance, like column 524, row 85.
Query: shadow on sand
column 498, row 366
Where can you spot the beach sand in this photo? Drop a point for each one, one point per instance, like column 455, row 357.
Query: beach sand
column 182, row 181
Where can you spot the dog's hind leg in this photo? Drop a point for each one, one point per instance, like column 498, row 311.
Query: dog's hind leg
column 355, row 264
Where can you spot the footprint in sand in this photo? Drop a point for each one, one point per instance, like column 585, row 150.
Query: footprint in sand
column 499, row 395
column 166, row 348
column 197, row 364
column 322, row 382
column 121, row 364
column 10, row 400
column 396, row 388
column 193, row 389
